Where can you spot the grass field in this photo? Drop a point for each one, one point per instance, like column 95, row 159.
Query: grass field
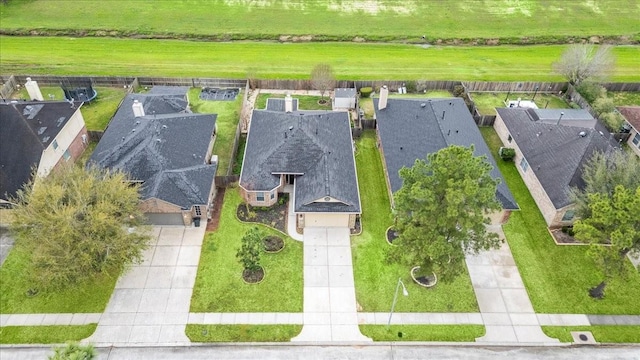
column 42, row 55
column 556, row 277
column 376, row 280
column 373, row 19
column 602, row 333
column 305, row 102
column 467, row 333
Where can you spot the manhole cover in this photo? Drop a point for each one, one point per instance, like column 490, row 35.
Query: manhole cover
column 583, row 337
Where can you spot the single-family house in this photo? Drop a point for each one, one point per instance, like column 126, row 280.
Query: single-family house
column 37, row 135
column 308, row 154
column 552, row 147
column 410, row 129
column 344, row 98
column 158, row 142
column 632, row 115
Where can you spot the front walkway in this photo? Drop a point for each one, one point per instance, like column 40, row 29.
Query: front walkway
column 150, row 304
column 330, row 312
column 506, row 310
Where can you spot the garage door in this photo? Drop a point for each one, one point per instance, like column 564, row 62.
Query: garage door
column 326, row 220
column 164, row 219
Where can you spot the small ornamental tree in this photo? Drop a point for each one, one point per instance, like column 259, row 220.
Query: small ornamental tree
column 249, row 252
column 322, row 79
column 441, row 212
column 614, row 221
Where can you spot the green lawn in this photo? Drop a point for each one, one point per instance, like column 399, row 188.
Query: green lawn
column 305, row 102
column 45, row 334
column 556, row 277
column 97, row 113
column 467, row 333
column 88, row 297
column 379, row 19
column 219, row 286
column 602, row 333
column 242, row 333
column 47, row 55
column 374, row 279
column 486, row 102
column 625, row 98
column 226, row 123
column 366, row 104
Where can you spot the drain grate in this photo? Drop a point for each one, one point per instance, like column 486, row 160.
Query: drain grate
column 583, row 337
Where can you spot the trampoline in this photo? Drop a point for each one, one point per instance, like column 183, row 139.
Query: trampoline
column 216, row 94
column 81, row 91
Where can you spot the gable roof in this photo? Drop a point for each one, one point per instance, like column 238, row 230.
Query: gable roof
column 411, row 129
column 555, row 153
column 345, row 93
column 316, row 145
column 166, row 151
column 632, row 115
column 274, row 104
column 26, row 130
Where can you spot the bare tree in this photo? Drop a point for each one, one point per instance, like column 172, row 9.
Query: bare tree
column 322, row 78
column 584, row 61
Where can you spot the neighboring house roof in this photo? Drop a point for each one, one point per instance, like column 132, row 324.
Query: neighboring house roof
column 632, row 115
column 555, row 153
column 411, row 129
column 344, row 93
column 279, row 104
column 316, row 145
column 26, row 130
column 568, row 117
column 167, row 151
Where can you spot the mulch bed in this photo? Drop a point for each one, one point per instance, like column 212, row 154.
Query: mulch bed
column 253, row 277
column 273, row 244
column 564, row 238
column 392, row 234
column 274, row 216
column 212, row 224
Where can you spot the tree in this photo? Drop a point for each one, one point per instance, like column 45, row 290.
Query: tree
column 73, row 351
column 249, row 252
column 584, row 61
column 613, row 220
column 602, row 173
column 75, row 223
column 441, row 211
column 322, row 78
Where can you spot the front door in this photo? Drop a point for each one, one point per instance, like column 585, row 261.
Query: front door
column 289, row 178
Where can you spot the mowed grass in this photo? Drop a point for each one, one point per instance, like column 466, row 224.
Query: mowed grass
column 602, row 333
column 376, row 280
column 226, row 122
column 467, row 333
column 96, row 113
column 557, row 278
column 45, row 334
column 487, row 102
column 109, row 56
column 345, row 19
column 219, row 286
column 87, row 297
column 305, row 102
column 242, row 333
column 625, row 98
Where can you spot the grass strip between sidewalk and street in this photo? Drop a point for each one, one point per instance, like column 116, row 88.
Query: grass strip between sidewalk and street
column 460, row 333
column 242, row 333
column 557, row 278
column 54, row 334
column 602, row 333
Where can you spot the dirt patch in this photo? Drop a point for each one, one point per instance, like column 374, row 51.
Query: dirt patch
column 273, row 244
column 564, row 238
column 253, row 277
column 212, row 224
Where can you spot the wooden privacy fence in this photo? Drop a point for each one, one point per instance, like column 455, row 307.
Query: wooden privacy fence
column 8, row 87
column 226, row 181
column 520, row 86
column 573, row 95
column 484, row 120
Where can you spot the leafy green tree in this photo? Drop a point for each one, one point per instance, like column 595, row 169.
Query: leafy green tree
column 602, row 174
column 249, row 252
column 73, row 351
column 613, row 220
column 441, row 211
column 76, row 224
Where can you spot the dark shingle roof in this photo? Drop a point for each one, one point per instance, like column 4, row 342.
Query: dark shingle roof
column 167, row 151
column 26, row 130
column 631, row 114
column 555, row 153
column 411, row 129
column 316, row 144
column 274, row 104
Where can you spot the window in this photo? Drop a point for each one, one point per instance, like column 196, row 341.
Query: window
column 524, row 164
column 636, row 140
column 272, row 195
column 66, row 155
column 198, row 211
column 260, row 196
column 509, row 138
column 569, row 215
column 55, row 144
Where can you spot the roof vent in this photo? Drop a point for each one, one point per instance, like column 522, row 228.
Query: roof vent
column 158, row 140
column 290, row 128
column 138, row 109
column 164, row 126
column 423, row 105
column 582, row 133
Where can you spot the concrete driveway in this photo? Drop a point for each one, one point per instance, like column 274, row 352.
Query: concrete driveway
column 150, row 303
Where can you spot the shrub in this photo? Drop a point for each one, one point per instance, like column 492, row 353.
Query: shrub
column 411, row 87
column 613, row 121
column 591, row 91
column 366, row 91
column 458, row 91
column 604, row 105
column 506, row 153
